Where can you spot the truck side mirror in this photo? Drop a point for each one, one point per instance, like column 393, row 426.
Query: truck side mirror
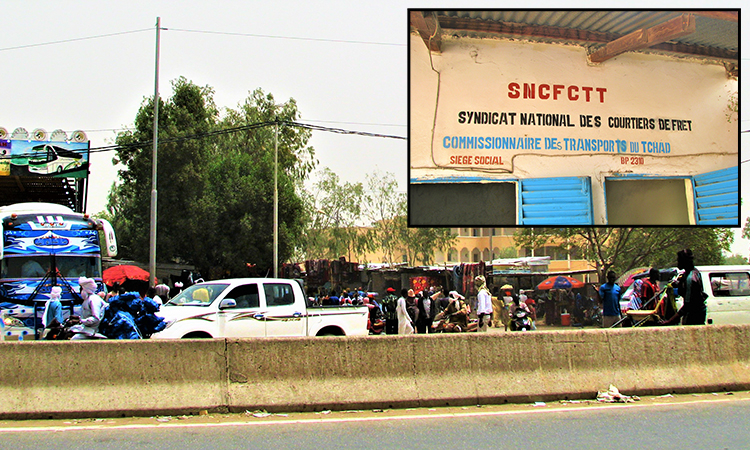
column 228, row 303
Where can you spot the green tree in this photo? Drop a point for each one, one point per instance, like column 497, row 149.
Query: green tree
column 215, row 181
column 384, row 205
column 335, row 220
column 622, row 249
column 190, row 111
column 419, row 244
column 345, row 220
column 735, row 259
column 507, row 252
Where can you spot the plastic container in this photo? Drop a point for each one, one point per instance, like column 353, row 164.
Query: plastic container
column 565, row 319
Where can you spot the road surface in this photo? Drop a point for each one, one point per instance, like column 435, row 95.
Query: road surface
column 702, row 421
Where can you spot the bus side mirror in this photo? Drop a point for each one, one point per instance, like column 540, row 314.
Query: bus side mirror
column 110, row 240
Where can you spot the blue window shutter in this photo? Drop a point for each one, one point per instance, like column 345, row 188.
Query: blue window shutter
column 717, row 197
column 556, row 201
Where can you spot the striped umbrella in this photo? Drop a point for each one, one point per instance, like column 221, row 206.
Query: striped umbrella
column 560, row 282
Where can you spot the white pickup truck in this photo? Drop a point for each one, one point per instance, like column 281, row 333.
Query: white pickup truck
column 255, row 307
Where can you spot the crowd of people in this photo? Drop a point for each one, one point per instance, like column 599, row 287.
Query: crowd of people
column 432, row 310
column 437, row 310
column 116, row 314
column 645, row 296
column 120, row 314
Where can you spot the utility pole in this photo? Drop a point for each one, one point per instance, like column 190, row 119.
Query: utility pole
column 152, row 240
column 276, row 198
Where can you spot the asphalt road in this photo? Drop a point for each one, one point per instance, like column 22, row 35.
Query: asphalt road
column 705, row 421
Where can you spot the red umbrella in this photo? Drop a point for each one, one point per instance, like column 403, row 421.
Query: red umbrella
column 628, row 277
column 560, row 282
column 121, row 274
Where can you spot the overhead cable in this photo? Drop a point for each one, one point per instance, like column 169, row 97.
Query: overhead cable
column 114, row 147
column 74, row 39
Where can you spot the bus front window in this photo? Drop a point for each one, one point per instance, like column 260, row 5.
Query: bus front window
column 79, row 266
column 26, row 267
column 70, row 267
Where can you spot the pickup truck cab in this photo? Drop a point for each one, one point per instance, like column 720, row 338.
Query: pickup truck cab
column 255, row 307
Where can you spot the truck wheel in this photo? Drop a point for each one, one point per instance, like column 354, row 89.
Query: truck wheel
column 331, row 331
column 197, row 335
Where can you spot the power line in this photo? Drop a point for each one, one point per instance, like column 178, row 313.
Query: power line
column 117, row 130
column 360, row 123
column 75, row 39
column 114, row 147
column 224, row 33
column 268, row 36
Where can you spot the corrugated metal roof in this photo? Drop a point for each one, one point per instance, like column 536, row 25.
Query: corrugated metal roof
column 710, row 32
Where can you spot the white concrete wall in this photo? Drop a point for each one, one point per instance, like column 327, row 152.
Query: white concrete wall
column 474, row 75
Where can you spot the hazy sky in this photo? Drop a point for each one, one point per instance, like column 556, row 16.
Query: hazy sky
column 344, row 62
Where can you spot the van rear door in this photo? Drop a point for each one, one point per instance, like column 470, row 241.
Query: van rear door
column 728, row 299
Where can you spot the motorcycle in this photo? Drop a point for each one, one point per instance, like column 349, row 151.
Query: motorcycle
column 520, row 320
column 593, row 316
column 62, row 331
column 588, row 313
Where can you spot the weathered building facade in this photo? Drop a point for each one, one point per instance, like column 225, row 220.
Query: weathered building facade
column 573, row 118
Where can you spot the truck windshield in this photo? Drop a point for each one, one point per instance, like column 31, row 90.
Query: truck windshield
column 70, row 267
column 199, row 294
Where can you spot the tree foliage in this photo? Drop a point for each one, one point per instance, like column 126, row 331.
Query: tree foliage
column 334, row 214
column 385, row 204
column 419, row 244
column 622, row 249
column 735, row 259
column 215, row 188
column 345, row 219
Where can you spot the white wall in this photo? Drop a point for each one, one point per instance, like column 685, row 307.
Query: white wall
column 474, row 75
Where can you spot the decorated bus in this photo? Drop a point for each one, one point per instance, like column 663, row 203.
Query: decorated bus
column 46, row 245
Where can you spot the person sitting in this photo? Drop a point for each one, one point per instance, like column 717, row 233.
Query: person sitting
column 92, row 311
column 32, row 269
column 455, row 317
column 375, row 322
column 531, row 305
column 518, row 304
column 52, row 318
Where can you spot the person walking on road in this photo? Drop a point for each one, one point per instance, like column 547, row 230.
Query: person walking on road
column 424, row 321
column 690, row 287
column 389, row 311
column 411, row 307
column 610, row 294
column 484, row 303
column 405, row 324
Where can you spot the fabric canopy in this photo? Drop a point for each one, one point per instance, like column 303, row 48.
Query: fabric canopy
column 121, row 274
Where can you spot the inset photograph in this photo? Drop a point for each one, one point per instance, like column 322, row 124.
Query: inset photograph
column 561, row 118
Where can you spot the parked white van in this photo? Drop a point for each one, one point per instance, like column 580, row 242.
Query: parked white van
column 728, row 289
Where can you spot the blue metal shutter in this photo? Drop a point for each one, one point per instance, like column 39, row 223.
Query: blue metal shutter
column 556, row 201
column 717, row 197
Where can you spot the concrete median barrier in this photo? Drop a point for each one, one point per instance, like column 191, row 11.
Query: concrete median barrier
column 463, row 369
column 110, row 378
column 48, row 379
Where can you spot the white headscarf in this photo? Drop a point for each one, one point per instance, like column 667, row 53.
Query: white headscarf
column 88, row 287
column 455, row 295
column 54, row 295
